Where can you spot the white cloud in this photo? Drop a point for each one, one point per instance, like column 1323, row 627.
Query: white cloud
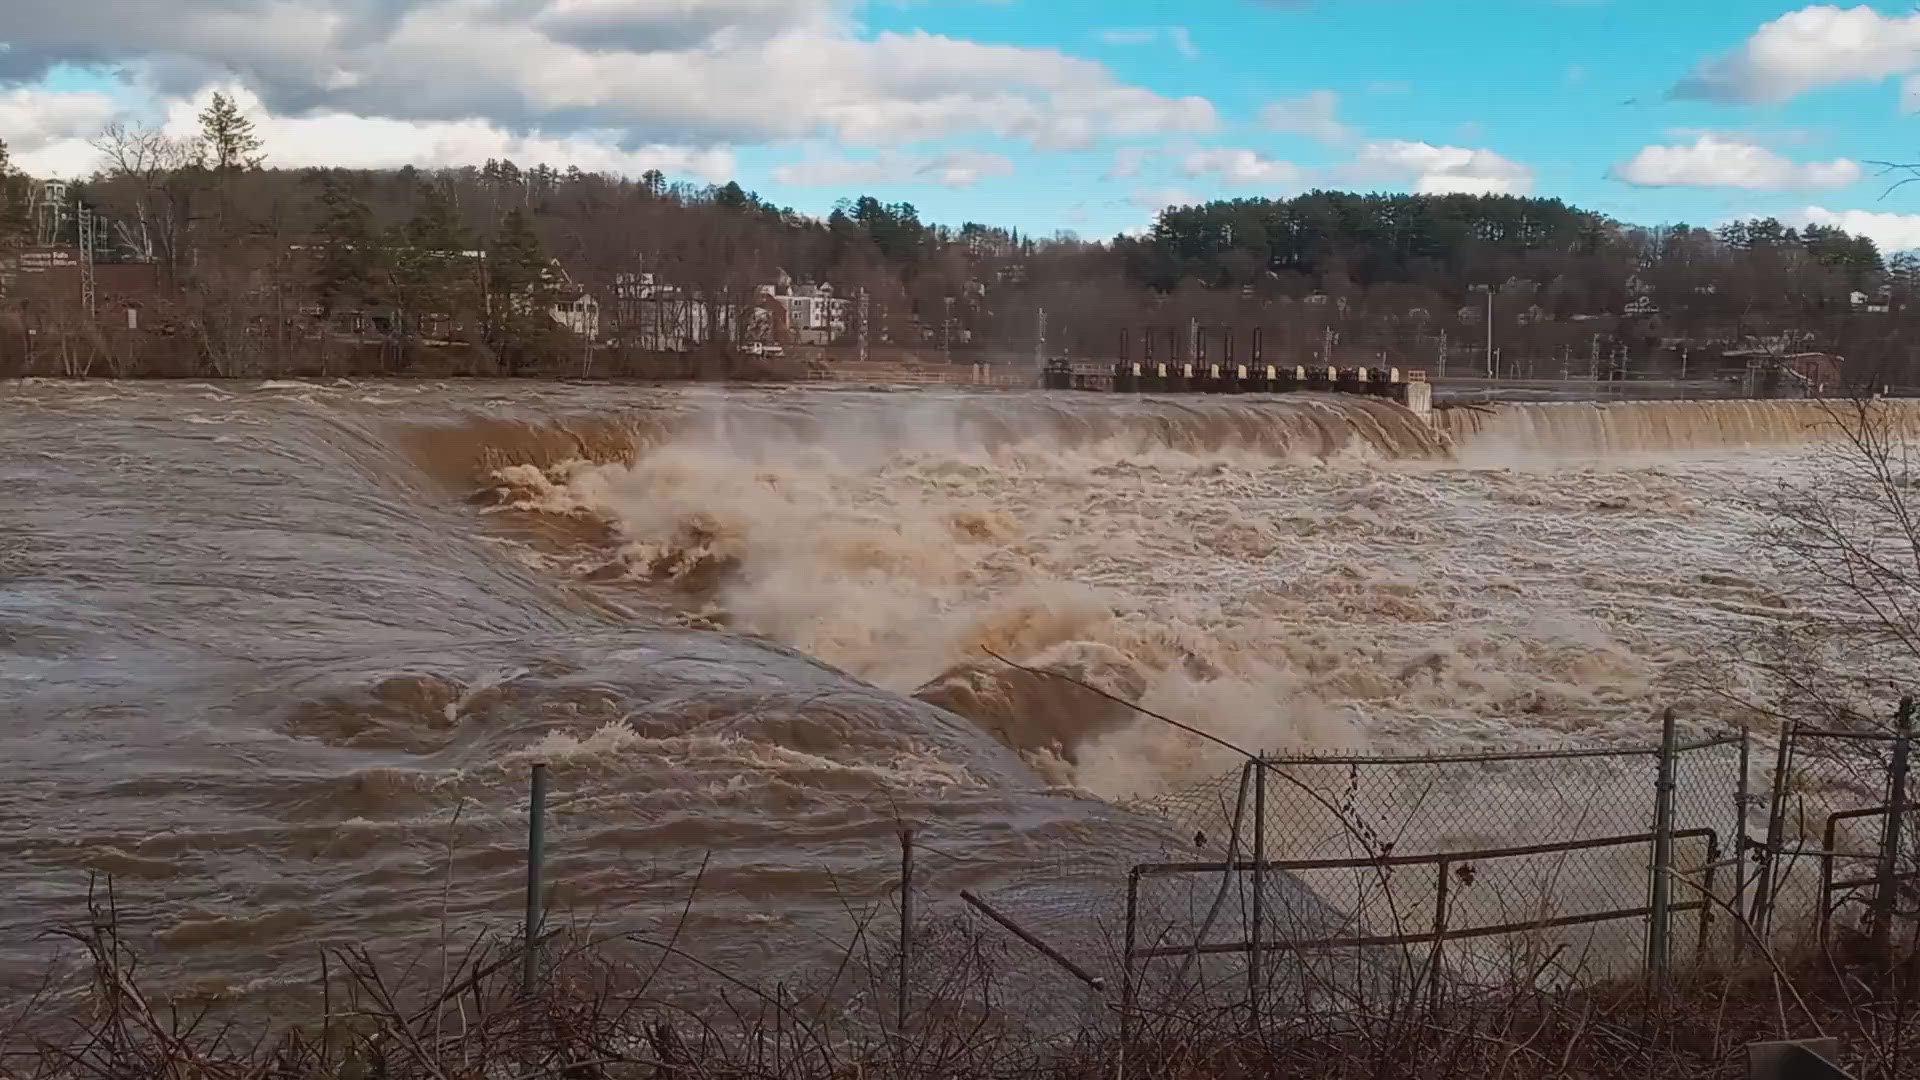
column 1441, row 170
column 1891, row 232
column 685, row 72
column 1158, row 199
column 1237, row 167
column 951, row 168
column 47, row 130
column 1179, row 38
column 1127, row 162
column 360, row 142
column 1314, row 115
column 1816, row 46
column 1716, row 162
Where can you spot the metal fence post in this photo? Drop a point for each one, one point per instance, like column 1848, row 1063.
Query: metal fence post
column 536, row 856
column 1444, row 869
column 1259, row 889
column 1660, row 919
column 1886, row 885
column 1126, row 966
column 1764, row 888
column 906, row 927
column 1741, row 797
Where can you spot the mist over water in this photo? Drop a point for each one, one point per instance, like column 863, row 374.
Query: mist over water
column 277, row 657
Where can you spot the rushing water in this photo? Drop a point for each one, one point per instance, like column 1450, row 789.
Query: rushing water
column 276, row 657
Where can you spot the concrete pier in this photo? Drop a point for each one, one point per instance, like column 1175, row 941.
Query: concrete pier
column 1409, row 388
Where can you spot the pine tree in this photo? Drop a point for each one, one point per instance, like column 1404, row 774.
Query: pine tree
column 345, row 262
column 519, row 292
column 229, row 136
column 431, row 271
column 15, row 222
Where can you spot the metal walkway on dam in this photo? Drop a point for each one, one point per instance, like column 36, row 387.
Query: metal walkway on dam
column 1408, row 388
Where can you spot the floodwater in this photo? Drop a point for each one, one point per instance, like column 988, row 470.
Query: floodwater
column 277, row 657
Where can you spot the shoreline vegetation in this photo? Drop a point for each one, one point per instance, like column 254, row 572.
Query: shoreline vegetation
column 602, row 1010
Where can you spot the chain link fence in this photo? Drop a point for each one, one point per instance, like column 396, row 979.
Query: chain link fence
column 1309, row 882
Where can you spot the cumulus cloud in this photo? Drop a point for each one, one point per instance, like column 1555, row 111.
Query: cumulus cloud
column 1816, row 46
column 1177, row 37
column 1314, row 115
column 1890, row 232
column 705, row 72
column 952, row 168
column 47, row 130
column 1441, row 170
column 1127, row 162
column 1158, row 199
column 329, row 138
column 1715, row 162
column 1240, row 168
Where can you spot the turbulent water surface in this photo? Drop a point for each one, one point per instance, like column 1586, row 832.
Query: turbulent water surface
column 276, row 657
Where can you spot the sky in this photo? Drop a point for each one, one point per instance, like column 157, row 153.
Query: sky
column 1043, row 115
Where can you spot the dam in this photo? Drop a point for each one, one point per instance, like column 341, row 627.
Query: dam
column 1408, row 388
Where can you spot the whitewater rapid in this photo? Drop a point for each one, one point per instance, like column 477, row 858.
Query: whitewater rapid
column 277, row 656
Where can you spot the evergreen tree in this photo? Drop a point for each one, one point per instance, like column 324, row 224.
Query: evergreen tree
column 345, row 259
column 229, row 136
column 15, row 221
column 519, row 291
column 432, row 273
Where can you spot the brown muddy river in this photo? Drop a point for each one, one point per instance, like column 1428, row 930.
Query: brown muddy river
column 277, row 657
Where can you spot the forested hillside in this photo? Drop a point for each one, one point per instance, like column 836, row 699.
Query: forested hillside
column 245, row 268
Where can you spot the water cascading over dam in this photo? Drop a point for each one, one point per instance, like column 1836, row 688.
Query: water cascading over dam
column 277, row 656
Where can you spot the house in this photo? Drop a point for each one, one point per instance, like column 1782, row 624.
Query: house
column 1878, row 304
column 814, row 314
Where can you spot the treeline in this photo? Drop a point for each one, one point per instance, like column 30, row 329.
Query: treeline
column 241, row 268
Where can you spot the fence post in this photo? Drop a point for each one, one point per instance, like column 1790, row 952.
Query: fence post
column 1660, row 919
column 536, row 855
column 1741, row 796
column 1763, row 897
column 906, row 928
column 1445, row 870
column 1259, row 889
column 1126, row 968
column 1886, row 887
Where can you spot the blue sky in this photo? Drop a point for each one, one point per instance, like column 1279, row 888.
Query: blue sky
column 1036, row 114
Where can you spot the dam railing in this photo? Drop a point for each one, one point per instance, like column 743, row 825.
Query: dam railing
column 1407, row 387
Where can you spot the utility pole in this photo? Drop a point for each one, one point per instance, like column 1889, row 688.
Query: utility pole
column 1040, row 339
column 946, row 331
column 1443, row 352
column 863, row 325
column 1326, row 349
column 1193, row 339
column 1490, row 361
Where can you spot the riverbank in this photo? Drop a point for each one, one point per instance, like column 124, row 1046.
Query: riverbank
column 604, row 1008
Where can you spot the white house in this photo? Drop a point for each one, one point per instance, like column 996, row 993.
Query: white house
column 815, row 315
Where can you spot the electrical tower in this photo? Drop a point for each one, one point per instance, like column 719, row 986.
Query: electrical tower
column 88, row 225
